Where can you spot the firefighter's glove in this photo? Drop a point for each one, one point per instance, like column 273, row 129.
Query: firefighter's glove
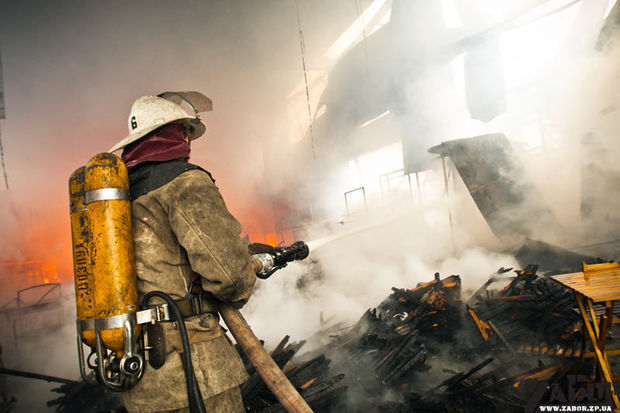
column 258, row 248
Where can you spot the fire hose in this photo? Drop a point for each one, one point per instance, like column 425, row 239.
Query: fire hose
column 265, row 265
column 271, row 374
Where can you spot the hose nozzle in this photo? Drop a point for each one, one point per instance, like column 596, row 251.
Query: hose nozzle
column 280, row 257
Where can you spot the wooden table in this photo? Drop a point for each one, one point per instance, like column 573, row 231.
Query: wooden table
column 597, row 283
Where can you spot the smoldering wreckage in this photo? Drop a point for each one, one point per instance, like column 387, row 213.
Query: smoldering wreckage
column 528, row 336
column 508, row 349
column 517, row 342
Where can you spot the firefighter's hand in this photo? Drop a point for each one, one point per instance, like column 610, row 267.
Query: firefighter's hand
column 258, row 248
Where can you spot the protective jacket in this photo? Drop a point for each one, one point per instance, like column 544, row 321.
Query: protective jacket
column 182, row 232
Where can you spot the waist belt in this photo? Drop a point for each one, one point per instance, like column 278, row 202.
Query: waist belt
column 196, row 305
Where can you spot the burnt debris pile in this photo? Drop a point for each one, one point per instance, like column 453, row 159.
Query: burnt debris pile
column 532, row 314
column 426, row 349
column 513, row 344
column 83, row 397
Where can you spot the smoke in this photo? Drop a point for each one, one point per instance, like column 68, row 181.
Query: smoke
column 356, row 269
column 72, row 71
column 590, row 121
column 553, row 101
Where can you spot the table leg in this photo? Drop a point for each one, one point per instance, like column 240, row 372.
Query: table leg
column 600, row 358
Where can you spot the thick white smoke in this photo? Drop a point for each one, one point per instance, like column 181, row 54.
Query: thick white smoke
column 561, row 98
column 356, row 269
column 70, row 78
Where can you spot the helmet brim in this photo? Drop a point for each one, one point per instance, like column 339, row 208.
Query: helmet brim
column 198, row 129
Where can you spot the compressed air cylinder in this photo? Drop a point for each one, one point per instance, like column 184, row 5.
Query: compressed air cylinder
column 80, row 235
column 112, row 253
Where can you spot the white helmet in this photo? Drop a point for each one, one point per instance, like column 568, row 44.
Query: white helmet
column 151, row 112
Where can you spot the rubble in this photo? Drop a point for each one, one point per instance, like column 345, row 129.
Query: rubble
column 427, row 350
column 83, row 397
column 424, row 349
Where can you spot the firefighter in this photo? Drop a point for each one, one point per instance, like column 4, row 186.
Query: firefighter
column 188, row 245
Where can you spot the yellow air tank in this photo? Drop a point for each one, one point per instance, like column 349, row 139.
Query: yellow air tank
column 80, row 234
column 112, row 253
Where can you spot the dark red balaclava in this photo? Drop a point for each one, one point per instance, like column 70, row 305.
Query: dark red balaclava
column 163, row 144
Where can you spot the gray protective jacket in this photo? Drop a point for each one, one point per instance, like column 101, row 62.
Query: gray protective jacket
column 182, row 230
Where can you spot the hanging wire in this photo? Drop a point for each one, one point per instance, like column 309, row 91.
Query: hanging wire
column 6, row 179
column 303, row 63
column 360, row 16
column 2, row 116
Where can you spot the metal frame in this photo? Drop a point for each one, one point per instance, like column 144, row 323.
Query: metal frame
column 346, row 201
column 287, row 231
column 132, row 363
column 22, row 309
column 448, row 173
column 387, row 177
column 53, row 286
